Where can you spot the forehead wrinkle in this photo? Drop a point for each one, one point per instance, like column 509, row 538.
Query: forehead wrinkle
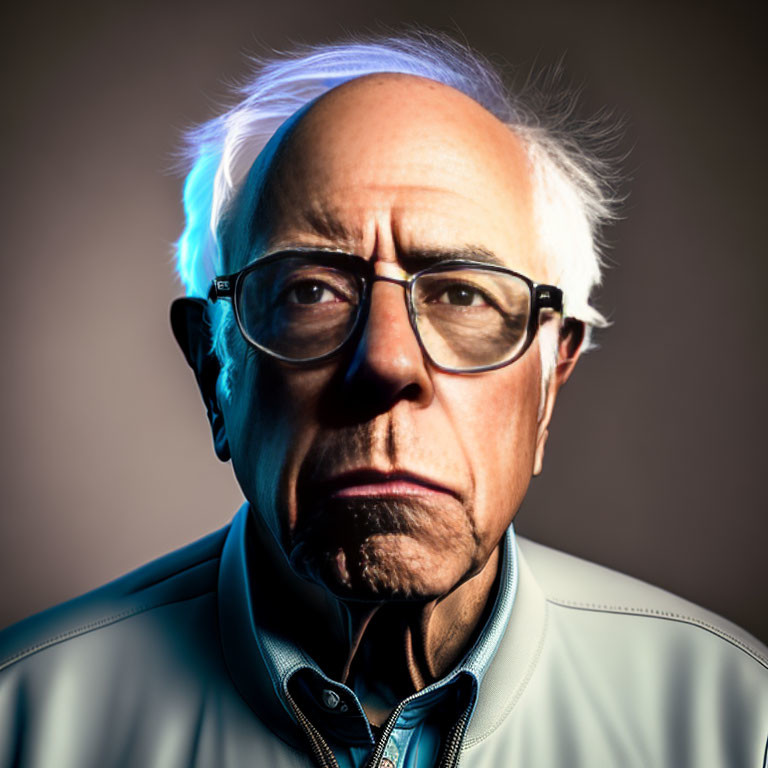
column 319, row 215
column 318, row 165
column 313, row 219
column 322, row 221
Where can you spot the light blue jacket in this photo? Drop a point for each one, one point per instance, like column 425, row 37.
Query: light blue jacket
column 165, row 668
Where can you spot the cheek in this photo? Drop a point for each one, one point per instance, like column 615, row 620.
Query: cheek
column 496, row 425
column 271, row 423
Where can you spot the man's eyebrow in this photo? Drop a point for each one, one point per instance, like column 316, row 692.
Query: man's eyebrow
column 328, row 226
column 421, row 258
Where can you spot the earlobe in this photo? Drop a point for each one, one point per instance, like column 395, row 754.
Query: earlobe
column 192, row 330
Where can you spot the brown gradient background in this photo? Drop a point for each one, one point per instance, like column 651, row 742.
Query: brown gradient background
column 656, row 464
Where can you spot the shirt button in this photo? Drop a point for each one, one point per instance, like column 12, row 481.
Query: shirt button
column 330, row 698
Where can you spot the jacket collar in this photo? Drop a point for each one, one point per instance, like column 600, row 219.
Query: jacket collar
column 515, row 659
column 242, row 642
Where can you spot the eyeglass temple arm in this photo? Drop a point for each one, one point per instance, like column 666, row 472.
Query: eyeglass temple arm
column 548, row 297
column 221, row 288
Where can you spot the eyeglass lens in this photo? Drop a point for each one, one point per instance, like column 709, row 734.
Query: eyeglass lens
column 466, row 318
column 298, row 310
column 471, row 318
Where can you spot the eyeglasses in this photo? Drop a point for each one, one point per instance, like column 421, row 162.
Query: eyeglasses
column 304, row 306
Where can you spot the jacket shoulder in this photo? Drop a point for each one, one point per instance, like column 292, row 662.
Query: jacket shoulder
column 577, row 584
column 180, row 575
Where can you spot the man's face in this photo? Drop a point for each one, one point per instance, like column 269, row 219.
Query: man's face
column 382, row 477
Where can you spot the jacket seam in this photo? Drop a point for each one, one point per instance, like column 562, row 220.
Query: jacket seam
column 90, row 627
column 174, row 574
column 655, row 613
column 534, row 663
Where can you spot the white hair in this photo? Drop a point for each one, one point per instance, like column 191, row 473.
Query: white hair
column 572, row 197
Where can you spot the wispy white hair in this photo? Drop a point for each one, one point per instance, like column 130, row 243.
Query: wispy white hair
column 572, row 196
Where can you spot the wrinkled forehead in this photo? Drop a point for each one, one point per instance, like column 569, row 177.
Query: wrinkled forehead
column 424, row 158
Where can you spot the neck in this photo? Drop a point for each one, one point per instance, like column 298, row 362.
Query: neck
column 388, row 651
column 396, row 649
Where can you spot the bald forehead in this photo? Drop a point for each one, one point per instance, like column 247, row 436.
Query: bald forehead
column 389, row 162
column 395, row 97
column 384, row 110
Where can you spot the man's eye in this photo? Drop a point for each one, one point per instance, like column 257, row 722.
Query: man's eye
column 460, row 295
column 310, row 292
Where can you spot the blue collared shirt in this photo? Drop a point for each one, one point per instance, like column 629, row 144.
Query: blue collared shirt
column 422, row 721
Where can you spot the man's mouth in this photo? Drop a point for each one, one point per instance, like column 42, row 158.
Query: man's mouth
column 372, row 483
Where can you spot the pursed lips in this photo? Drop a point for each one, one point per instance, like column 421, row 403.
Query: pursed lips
column 374, row 483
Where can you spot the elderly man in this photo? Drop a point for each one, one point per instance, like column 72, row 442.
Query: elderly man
column 388, row 262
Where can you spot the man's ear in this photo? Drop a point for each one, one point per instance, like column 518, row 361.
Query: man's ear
column 568, row 348
column 569, row 343
column 192, row 329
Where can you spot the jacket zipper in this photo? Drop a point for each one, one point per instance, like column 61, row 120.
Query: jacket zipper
column 389, row 726
column 321, row 753
column 324, row 757
column 450, row 753
column 450, row 756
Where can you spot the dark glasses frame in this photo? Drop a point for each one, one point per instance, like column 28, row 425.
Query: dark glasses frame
column 542, row 297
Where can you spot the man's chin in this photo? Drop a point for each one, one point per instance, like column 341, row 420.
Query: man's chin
column 383, row 567
column 384, row 549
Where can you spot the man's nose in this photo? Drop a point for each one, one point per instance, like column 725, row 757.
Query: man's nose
column 388, row 364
